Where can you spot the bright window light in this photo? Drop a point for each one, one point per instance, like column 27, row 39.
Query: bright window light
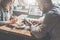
column 30, row 2
column 16, row 2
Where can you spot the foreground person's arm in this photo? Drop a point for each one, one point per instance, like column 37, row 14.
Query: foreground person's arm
column 49, row 22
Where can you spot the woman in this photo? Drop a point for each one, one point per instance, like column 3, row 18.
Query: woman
column 5, row 12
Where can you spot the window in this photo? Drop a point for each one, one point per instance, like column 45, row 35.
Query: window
column 29, row 5
column 56, row 2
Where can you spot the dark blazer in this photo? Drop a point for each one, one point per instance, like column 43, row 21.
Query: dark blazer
column 50, row 28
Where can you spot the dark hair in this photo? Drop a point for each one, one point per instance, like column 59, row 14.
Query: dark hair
column 4, row 3
column 45, row 1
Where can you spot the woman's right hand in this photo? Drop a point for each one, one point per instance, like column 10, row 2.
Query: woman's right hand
column 12, row 21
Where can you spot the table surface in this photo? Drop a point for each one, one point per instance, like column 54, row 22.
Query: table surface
column 17, row 31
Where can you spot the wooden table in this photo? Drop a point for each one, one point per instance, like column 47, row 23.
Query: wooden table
column 17, row 31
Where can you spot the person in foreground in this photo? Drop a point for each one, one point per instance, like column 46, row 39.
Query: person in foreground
column 50, row 27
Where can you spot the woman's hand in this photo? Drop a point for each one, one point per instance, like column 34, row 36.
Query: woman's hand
column 12, row 21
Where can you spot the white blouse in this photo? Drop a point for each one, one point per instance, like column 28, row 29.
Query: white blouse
column 5, row 16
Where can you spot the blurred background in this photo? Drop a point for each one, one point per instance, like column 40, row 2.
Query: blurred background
column 29, row 7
